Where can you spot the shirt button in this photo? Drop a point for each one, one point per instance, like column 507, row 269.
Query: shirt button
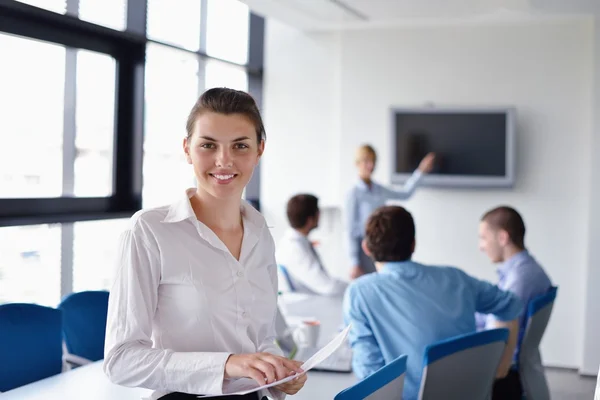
column 240, row 274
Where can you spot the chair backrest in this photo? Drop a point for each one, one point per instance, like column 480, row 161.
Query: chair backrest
column 84, row 323
column 463, row 367
column 286, row 275
column 387, row 383
column 530, row 365
column 30, row 344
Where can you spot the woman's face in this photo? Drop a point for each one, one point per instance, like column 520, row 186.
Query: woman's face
column 223, row 150
column 366, row 166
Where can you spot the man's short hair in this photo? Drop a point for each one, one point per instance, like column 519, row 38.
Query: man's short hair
column 390, row 234
column 300, row 208
column 507, row 219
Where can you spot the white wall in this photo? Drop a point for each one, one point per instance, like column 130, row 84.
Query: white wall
column 591, row 348
column 301, row 115
column 545, row 70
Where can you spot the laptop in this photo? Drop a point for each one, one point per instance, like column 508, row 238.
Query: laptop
column 340, row 361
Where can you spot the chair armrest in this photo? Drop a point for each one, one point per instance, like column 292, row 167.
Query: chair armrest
column 75, row 360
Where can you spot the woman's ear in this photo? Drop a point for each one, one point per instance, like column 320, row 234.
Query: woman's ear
column 186, row 150
column 261, row 150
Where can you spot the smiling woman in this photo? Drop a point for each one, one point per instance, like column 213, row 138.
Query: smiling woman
column 225, row 140
column 199, row 276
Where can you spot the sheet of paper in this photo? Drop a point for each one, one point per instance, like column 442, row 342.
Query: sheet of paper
column 247, row 385
column 326, row 351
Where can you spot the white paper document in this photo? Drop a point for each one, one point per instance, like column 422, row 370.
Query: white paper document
column 246, row 385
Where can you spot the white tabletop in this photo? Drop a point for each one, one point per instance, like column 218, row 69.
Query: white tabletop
column 90, row 383
column 87, row 382
column 328, row 310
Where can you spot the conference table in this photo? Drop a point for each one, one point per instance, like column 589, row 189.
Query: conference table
column 90, row 383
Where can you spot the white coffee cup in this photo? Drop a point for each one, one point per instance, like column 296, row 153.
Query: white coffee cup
column 306, row 334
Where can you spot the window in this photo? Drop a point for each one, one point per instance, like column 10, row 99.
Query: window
column 95, row 253
column 95, row 119
column 57, row 6
column 32, row 132
column 172, row 22
column 171, row 91
column 109, row 13
column 220, row 74
column 227, row 30
column 60, row 81
column 30, row 264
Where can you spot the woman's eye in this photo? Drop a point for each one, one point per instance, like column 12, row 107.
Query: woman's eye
column 241, row 146
column 207, row 145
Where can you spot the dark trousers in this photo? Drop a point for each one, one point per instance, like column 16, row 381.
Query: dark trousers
column 508, row 388
column 186, row 396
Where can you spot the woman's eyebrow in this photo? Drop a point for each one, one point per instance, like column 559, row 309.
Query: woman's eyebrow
column 215, row 140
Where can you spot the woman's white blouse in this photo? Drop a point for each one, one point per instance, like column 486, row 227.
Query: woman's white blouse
column 181, row 303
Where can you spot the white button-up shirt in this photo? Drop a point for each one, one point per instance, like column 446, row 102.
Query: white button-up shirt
column 181, row 303
column 307, row 273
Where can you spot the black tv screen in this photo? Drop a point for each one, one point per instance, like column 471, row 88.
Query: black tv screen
column 472, row 147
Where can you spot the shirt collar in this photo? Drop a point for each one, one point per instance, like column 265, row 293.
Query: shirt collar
column 407, row 268
column 364, row 187
column 182, row 210
column 512, row 262
column 294, row 234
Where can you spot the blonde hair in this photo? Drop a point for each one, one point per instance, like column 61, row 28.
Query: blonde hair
column 365, row 150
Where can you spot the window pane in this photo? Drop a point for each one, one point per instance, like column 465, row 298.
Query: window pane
column 94, row 260
column 32, row 80
column 177, row 24
column 57, row 6
column 95, row 120
column 30, row 264
column 171, row 90
column 109, row 13
column 220, row 74
column 227, row 30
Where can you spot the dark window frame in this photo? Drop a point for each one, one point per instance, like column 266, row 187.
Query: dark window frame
column 128, row 48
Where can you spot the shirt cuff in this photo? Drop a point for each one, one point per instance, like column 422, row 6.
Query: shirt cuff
column 204, row 372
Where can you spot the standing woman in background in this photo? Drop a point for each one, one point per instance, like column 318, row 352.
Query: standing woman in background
column 194, row 300
column 366, row 196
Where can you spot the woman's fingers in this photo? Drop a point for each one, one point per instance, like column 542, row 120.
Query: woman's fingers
column 266, row 368
column 279, row 364
column 257, row 375
column 293, row 365
column 293, row 386
column 262, row 367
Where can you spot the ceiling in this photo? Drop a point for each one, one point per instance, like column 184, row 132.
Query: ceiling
column 359, row 14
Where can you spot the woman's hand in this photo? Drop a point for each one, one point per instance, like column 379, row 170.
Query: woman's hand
column 264, row 368
column 427, row 163
column 293, row 386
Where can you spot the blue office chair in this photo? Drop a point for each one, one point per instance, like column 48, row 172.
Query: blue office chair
column 529, row 359
column 84, row 325
column 30, row 344
column 286, row 275
column 387, row 383
column 463, row 367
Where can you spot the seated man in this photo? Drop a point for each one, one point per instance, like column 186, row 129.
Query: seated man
column 502, row 238
column 297, row 254
column 407, row 306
